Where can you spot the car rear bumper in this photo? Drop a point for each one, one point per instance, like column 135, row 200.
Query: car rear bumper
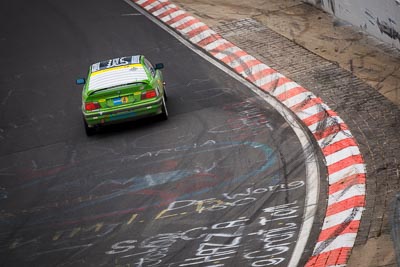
column 117, row 115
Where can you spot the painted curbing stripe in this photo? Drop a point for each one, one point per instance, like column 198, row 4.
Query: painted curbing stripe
column 356, row 201
column 270, row 87
column 347, row 193
column 181, row 19
column 152, row 4
column 348, row 181
column 342, row 154
column 209, row 40
column 161, row 9
column 246, row 67
column 349, row 161
column 339, row 144
column 284, row 88
column 193, row 32
column 290, row 93
column 235, row 56
column 332, row 128
column 217, row 45
column 257, row 71
column 236, row 62
column 333, row 258
column 327, row 126
column 268, row 79
column 227, row 52
column 191, row 26
column 344, row 161
column 346, row 172
column 144, row 2
column 345, row 240
column 187, row 27
column 306, row 103
column 168, row 12
column 319, row 118
column 333, row 138
column 312, row 110
column 174, row 16
column 297, row 99
column 159, row 6
column 338, row 218
column 201, row 36
column 342, row 228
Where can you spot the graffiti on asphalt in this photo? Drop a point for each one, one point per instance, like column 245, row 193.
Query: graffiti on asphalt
column 180, row 186
column 218, row 243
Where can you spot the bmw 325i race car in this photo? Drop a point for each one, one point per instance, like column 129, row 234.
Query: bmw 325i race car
column 121, row 89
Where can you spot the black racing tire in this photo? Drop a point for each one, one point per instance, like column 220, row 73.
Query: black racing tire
column 164, row 114
column 90, row 131
column 165, row 94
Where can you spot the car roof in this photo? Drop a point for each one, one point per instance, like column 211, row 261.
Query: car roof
column 115, row 72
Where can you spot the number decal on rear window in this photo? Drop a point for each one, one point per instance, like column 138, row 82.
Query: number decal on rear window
column 115, row 62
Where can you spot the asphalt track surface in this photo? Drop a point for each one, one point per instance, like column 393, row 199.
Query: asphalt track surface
column 221, row 183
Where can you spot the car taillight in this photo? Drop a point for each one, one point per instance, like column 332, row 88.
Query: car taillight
column 91, row 106
column 149, row 94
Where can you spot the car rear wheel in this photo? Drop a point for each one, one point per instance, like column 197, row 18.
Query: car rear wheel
column 164, row 114
column 89, row 130
column 165, row 94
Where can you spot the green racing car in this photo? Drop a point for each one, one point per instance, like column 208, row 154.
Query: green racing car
column 121, row 89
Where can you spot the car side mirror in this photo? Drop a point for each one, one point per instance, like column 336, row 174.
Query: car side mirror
column 80, row 81
column 159, row 66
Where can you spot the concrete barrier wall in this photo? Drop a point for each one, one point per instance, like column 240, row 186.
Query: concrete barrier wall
column 381, row 18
